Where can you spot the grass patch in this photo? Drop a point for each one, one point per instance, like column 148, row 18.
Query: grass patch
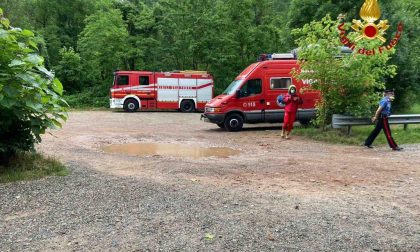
column 415, row 109
column 30, row 166
column 360, row 133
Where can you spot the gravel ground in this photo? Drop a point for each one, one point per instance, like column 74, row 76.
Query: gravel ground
column 277, row 195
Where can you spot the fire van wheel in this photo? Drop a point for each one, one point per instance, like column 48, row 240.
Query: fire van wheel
column 234, row 122
column 131, row 105
column 187, row 106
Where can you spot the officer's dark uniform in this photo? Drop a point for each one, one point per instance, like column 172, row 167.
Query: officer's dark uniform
column 382, row 123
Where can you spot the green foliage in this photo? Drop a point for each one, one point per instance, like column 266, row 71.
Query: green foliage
column 407, row 81
column 347, row 84
column 103, row 45
column 69, row 69
column 220, row 36
column 30, row 96
column 414, row 109
column 301, row 12
column 359, row 135
column 95, row 97
column 58, row 22
column 29, row 166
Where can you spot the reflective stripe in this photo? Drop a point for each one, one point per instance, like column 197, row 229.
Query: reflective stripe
column 388, row 133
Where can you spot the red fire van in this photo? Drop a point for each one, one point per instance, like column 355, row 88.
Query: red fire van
column 252, row 96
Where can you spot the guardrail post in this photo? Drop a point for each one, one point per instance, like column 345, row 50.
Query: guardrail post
column 405, row 126
column 348, row 130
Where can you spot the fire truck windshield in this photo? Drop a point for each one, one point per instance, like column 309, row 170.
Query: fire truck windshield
column 231, row 89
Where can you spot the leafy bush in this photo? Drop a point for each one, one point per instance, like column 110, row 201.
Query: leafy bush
column 96, row 97
column 103, row 44
column 30, row 95
column 348, row 85
column 69, row 69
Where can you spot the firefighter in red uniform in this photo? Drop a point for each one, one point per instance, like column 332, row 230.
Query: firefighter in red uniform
column 292, row 101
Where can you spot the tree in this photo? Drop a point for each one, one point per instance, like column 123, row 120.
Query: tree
column 15, row 11
column 69, row 70
column 30, row 96
column 407, row 82
column 348, row 84
column 143, row 51
column 103, row 45
column 220, row 36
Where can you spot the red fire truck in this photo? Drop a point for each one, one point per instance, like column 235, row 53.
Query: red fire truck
column 184, row 90
column 252, row 96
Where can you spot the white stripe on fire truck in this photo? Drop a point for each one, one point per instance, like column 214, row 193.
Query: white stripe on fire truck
column 186, row 87
column 151, row 87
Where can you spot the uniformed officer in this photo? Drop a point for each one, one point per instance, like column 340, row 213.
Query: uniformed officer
column 381, row 119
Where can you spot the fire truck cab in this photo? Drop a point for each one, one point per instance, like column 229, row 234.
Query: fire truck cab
column 252, row 96
column 184, row 90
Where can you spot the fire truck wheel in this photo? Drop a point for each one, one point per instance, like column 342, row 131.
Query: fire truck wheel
column 221, row 125
column 131, row 105
column 187, row 106
column 234, row 122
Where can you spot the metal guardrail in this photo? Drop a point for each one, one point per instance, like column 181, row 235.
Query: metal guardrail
column 342, row 121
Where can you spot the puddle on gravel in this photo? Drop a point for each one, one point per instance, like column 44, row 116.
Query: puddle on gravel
column 174, row 150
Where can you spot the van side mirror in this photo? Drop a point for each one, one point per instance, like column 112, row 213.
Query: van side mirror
column 238, row 94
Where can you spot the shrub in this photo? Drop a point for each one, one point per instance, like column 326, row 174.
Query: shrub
column 348, row 85
column 69, row 69
column 96, row 96
column 30, row 95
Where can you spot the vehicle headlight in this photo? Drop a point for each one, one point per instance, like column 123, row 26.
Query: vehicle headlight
column 212, row 110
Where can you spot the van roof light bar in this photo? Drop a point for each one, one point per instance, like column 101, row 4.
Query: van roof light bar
column 276, row 56
column 193, row 72
column 282, row 56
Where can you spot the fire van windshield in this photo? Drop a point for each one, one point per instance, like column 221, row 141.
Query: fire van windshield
column 231, row 89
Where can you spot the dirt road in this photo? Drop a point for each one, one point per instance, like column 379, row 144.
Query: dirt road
column 271, row 194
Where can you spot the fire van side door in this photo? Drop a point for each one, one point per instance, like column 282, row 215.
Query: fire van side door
column 251, row 100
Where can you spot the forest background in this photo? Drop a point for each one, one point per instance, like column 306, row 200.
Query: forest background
column 85, row 41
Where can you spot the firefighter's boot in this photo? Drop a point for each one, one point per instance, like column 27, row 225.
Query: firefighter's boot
column 283, row 133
